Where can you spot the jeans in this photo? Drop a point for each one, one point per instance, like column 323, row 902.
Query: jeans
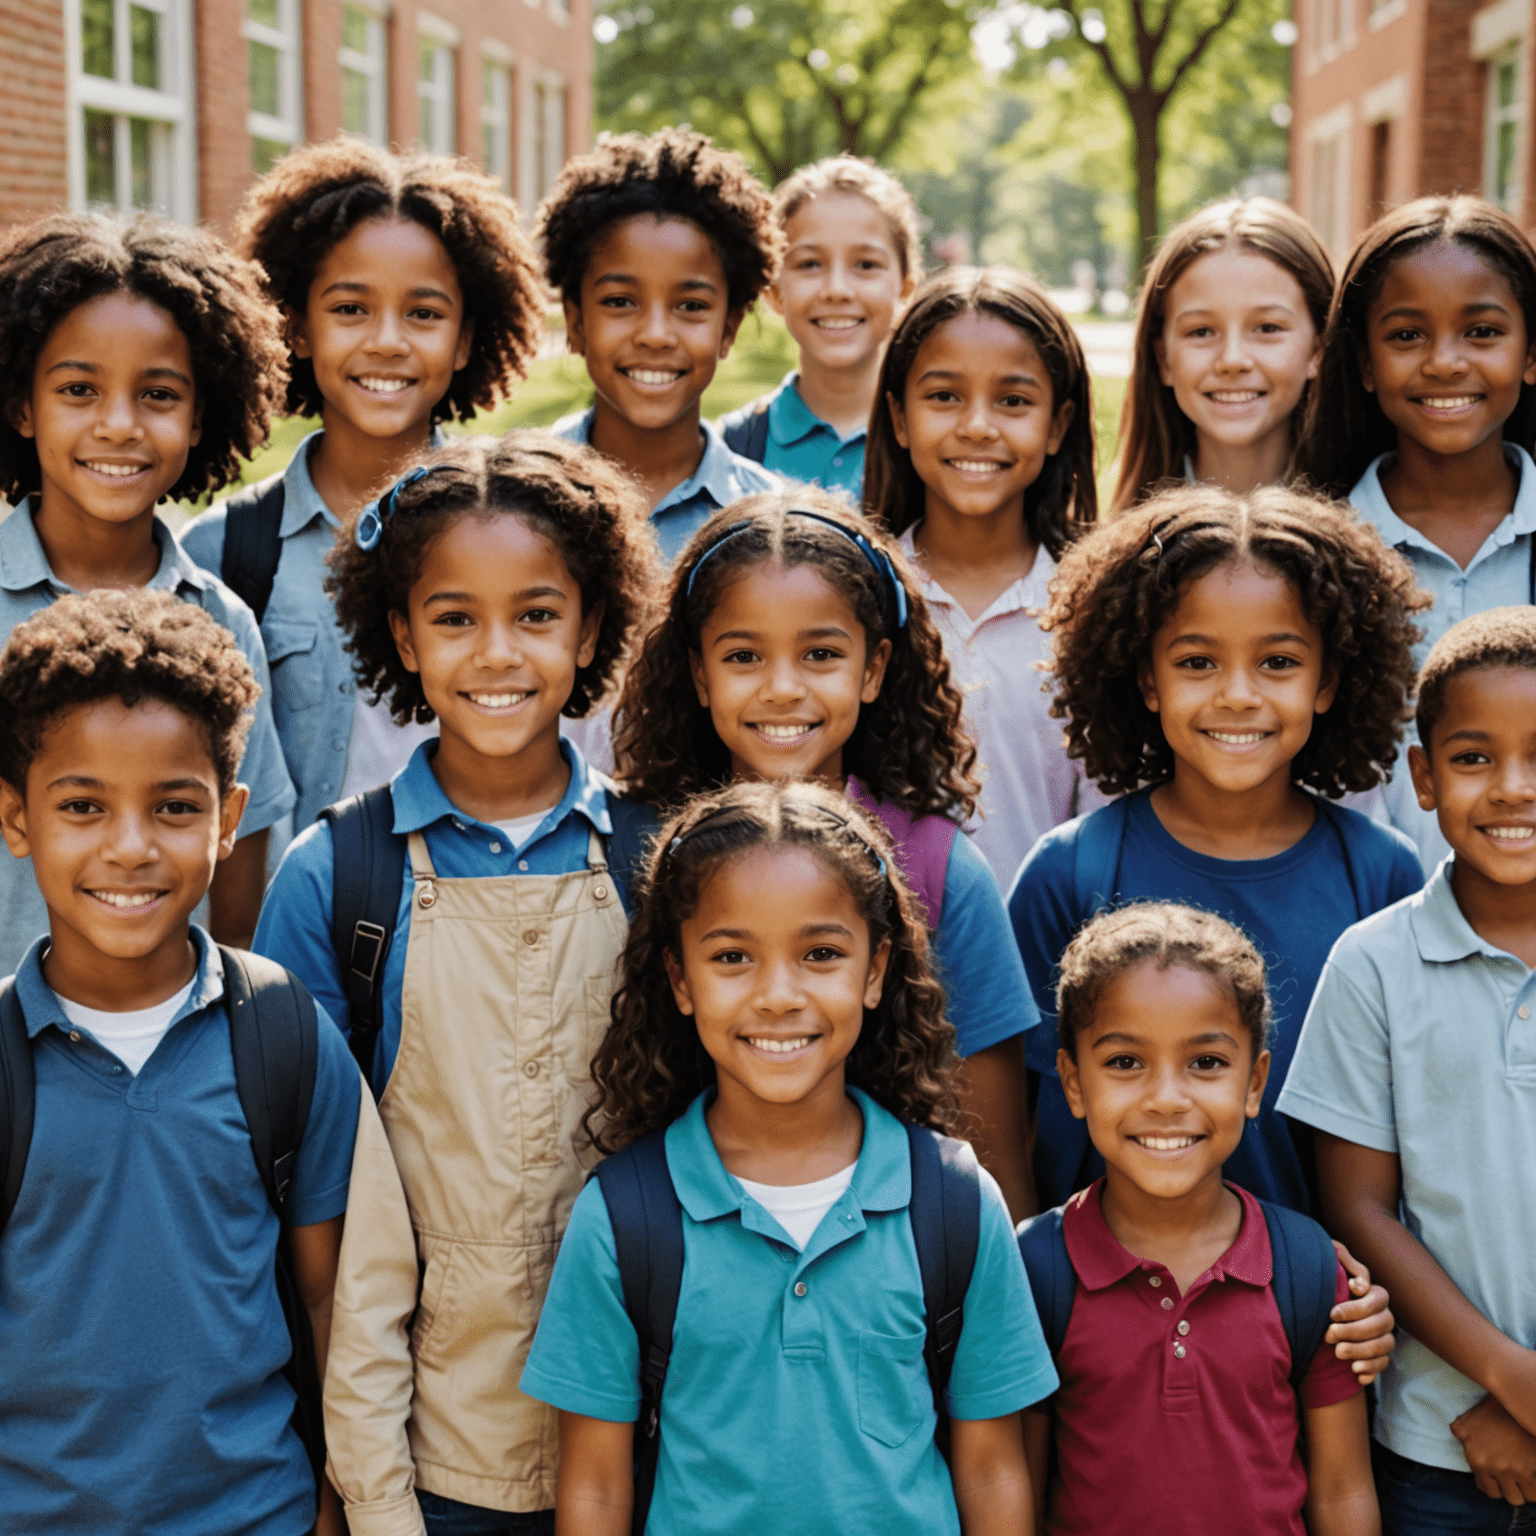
column 1417, row 1500
column 448, row 1517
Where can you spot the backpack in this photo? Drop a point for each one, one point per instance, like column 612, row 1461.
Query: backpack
column 368, row 872
column 923, row 846
column 273, row 1035
column 647, row 1221
column 1305, row 1277
column 253, row 543
column 748, row 435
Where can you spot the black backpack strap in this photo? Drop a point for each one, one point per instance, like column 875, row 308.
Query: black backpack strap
column 647, row 1221
column 368, row 870
column 634, row 824
column 1306, row 1270
column 18, row 1095
column 274, row 1036
column 1052, row 1280
column 945, row 1213
column 748, row 435
column 253, row 542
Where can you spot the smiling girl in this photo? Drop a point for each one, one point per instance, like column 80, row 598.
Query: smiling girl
column 1425, row 416
column 411, row 298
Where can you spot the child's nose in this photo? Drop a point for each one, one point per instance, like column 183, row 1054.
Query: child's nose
column 389, row 334
column 656, row 326
column 784, row 681
column 118, row 418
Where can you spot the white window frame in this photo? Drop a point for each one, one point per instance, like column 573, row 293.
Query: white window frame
column 373, row 66
column 496, row 63
column 1329, row 207
column 541, row 137
column 1494, row 117
column 288, row 126
column 437, row 97
column 170, row 107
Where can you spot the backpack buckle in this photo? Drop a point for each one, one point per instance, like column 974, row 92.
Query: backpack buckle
column 282, row 1175
column 368, row 945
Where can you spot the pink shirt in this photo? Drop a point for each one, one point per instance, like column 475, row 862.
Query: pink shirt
column 1029, row 784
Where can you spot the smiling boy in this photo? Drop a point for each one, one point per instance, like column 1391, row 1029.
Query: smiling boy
column 1417, row 1067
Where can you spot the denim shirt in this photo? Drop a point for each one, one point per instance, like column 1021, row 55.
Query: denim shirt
column 28, row 585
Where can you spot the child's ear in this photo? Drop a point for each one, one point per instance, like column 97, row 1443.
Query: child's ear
column 591, row 628
column 1418, row 766
column 874, row 983
column 231, row 809
column 774, row 297
column 575, row 331
column 1367, row 374
column 679, row 983
column 22, row 418
column 898, row 419
column 874, row 672
column 1071, row 1083
column 1256, row 1081
column 400, row 628
column 1160, row 352
column 1327, row 691
column 1059, row 424
column 466, row 344
column 700, row 677
column 297, row 327
column 1147, row 682
column 1529, row 376
column 13, row 820
column 732, row 325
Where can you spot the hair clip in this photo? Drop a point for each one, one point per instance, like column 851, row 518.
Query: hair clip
column 370, row 525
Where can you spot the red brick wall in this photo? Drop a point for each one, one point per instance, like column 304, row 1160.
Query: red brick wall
column 223, row 99
column 33, row 165
column 322, row 74
column 1451, row 159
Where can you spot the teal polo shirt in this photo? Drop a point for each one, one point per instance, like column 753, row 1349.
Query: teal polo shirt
column 801, row 446
column 797, row 1398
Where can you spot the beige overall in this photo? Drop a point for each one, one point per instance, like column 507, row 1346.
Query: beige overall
column 507, row 987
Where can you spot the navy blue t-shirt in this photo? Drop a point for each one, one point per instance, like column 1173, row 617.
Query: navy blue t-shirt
column 1293, row 906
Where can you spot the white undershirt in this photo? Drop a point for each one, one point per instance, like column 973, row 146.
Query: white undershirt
column 521, row 828
column 798, row 1208
column 378, row 748
column 131, row 1037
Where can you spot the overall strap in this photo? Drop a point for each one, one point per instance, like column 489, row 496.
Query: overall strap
column 647, row 1221
column 368, row 871
column 945, row 1213
column 1306, row 1272
column 634, row 824
column 1043, row 1244
column 597, row 855
column 18, row 1093
column 253, row 542
column 1096, row 858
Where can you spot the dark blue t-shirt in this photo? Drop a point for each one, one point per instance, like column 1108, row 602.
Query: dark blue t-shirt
column 1293, row 906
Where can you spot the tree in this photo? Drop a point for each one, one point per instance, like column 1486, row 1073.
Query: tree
column 784, row 81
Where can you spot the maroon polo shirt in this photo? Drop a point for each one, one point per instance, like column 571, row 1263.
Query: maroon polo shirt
column 1175, row 1415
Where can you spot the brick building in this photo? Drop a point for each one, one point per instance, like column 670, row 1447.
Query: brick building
column 178, row 104
column 1392, row 99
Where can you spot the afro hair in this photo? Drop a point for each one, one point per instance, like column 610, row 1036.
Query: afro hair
column 1497, row 637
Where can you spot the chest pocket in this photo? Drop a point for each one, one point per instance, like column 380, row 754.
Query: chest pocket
column 293, row 655
column 893, row 1386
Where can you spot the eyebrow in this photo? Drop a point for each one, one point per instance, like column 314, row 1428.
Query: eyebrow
column 805, row 932
column 954, row 373
column 688, row 284
column 1469, row 733
column 1414, row 310
column 819, row 632
column 1279, row 637
column 520, row 596
column 351, row 285
column 1208, row 1037
column 87, row 781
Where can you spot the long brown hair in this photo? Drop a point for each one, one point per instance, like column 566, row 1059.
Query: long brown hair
column 1155, row 435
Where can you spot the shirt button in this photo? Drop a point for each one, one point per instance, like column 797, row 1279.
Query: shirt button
column 1154, row 1282
column 116, row 1070
column 1179, row 1351
column 1183, row 1328
column 1523, row 1011
column 74, row 1035
column 495, row 847
column 838, row 463
column 522, row 864
column 531, row 1070
column 799, row 1287
column 531, row 937
column 1167, row 1303
column 459, row 824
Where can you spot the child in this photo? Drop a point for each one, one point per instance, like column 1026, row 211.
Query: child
column 795, row 644
column 494, row 589
column 1425, row 416
column 658, row 246
column 854, row 256
column 1227, row 337
column 411, row 298
column 1415, row 1067
column 141, row 363
column 982, row 461
column 147, row 1270
column 775, row 1025
column 1227, row 664
column 1180, row 1366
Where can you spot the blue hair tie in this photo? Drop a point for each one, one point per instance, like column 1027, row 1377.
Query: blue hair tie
column 370, row 525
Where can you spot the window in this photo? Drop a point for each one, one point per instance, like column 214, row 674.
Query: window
column 496, row 120
column 434, row 97
column 1335, row 26
column 363, row 99
column 543, row 137
column 1381, row 163
column 1328, row 193
column 1501, row 179
column 130, row 127
column 271, row 34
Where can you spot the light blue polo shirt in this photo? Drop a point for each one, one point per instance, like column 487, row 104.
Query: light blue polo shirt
column 1421, row 1042
column 797, row 1399
column 801, row 446
column 295, row 925
column 140, row 1329
column 1499, row 575
column 28, row 585
column 721, row 478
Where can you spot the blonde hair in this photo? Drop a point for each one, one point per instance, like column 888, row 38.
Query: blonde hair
column 848, row 173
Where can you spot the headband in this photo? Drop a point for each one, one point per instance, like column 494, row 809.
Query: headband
column 370, row 526
column 803, row 805
column 878, row 559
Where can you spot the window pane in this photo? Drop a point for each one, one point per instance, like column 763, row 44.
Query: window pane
column 488, row 86
column 265, row 62
column 424, row 123
column 1504, row 175
column 354, row 28
column 265, row 153
column 100, row 169
column 144, row 33
column 488, row 147
column 354, row 101
column 143, row 143
column 1506, row 83
column 97, row 39
column 264, row 12
column 428, row 67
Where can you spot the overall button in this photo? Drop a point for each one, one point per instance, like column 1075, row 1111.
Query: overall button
column 1179, row 1351
column 531, row 1070
column 427, row 895
column 522, row 864
column 1154, row 1282
column 800, row 1288
column 1183, row 1328
column 599, row 893
column 1167, row 1303
column 531, row 937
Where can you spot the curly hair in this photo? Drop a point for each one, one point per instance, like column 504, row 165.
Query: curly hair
column 1064, row 499
column 1118, row 585
column 580, row 501
column 1167, row 934
column 673, row 174
column 910, row 746
column 312, row 199
column 1497, row 637
column 52, row 265
column 1155, row 434
column 1346, row 426
column 651, row 1065
column 851, row 173
column 136, row 646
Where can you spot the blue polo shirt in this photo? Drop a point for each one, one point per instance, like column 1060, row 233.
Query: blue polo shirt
column 28, row 585
column 797, row 1399
column 721, row 478
column 801, row 446
column 1421, row 1042
column 140, row 1326
column 295, row 926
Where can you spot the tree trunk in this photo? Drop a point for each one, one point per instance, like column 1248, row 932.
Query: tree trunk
column 1146, row 110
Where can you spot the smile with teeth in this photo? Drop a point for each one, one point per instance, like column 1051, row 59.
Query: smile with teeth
column 778, row 1047
column 792, row 731
column 1511, row 834
column 652, row 376
column 114, row 470
column 1165, row 1143
column 128, row 901
column 1236, row 396
column 838, row 322
column 977, row 466
column 1237, row 738
column 379, row 385
column 498, row 700
column 1448, row 402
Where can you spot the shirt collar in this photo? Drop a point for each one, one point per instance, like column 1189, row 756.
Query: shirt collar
column 1440, row 928
column 24, row 565
column 1101, row 1262
column 420, row 802
column 302, row 503
column 791, row 420
column 40, row 1005
column 1370, row 501
column 1032, row 592
column 882, row 1178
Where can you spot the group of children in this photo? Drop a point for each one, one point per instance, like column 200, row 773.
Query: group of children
column 690, row 1030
